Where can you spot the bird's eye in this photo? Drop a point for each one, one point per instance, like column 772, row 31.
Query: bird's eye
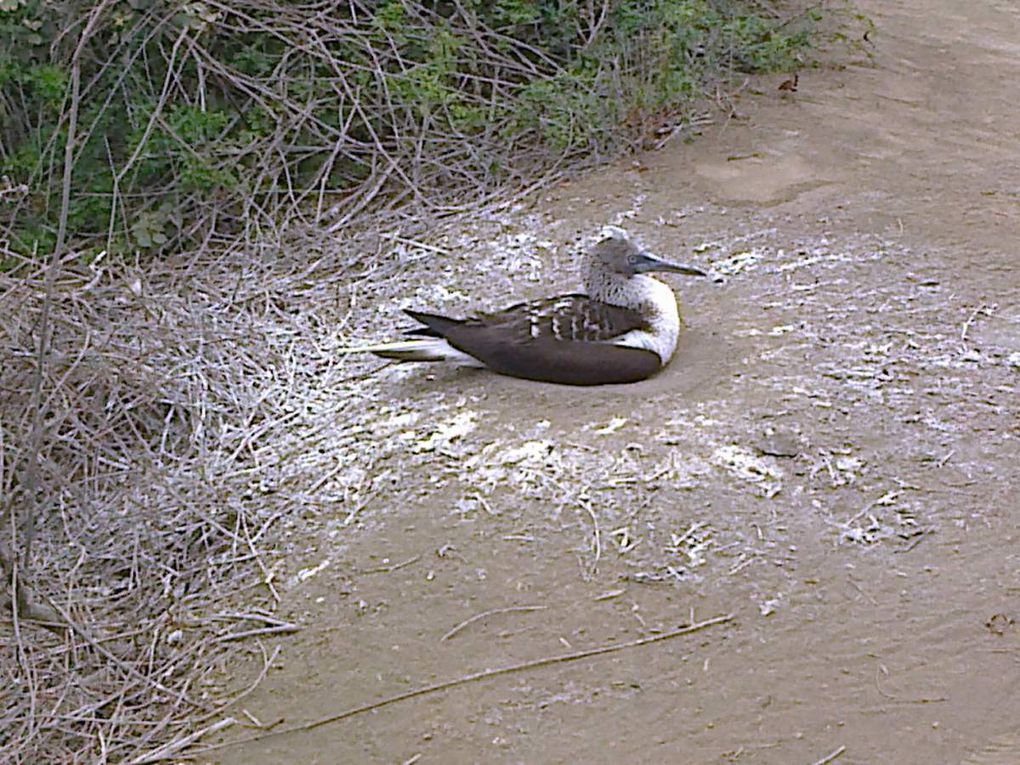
column 632, row 259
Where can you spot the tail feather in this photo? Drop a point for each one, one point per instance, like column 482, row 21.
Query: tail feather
column 428, row 345
column 420, row 332
column 435, row 325
column 425, row 349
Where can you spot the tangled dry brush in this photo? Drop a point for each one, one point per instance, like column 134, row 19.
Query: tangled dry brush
column 177, row 406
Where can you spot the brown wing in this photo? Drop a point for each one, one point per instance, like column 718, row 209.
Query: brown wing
column 567, row 318
column 563, row 340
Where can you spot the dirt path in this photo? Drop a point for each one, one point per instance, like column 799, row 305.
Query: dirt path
column 833, row 458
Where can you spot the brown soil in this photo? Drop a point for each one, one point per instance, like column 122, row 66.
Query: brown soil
column 833, row 457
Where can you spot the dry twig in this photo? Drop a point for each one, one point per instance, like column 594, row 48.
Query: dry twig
column 491, row 612
column 472, row 678
column 831, row 756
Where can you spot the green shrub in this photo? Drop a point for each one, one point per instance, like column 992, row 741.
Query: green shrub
column 233, row 117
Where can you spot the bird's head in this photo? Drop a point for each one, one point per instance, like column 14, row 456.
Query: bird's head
column 617, row 251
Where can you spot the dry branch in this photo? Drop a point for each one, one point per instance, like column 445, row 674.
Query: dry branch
column 476, row 677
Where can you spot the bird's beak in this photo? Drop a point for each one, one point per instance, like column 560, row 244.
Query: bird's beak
column 648, row 261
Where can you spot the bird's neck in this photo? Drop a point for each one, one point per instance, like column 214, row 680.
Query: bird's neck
column 654, row 300
column 636, row 292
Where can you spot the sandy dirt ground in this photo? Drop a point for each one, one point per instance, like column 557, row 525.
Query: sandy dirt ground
column 833, row 457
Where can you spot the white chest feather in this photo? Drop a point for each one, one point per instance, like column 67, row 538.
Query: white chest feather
column 656, row 301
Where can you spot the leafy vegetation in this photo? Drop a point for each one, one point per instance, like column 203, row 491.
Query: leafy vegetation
column 223, row 118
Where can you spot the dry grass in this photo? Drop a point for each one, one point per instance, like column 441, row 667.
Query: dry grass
column 159, row 423
column 155, row 494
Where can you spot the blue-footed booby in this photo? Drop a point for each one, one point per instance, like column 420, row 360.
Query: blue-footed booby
column 623, row 330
